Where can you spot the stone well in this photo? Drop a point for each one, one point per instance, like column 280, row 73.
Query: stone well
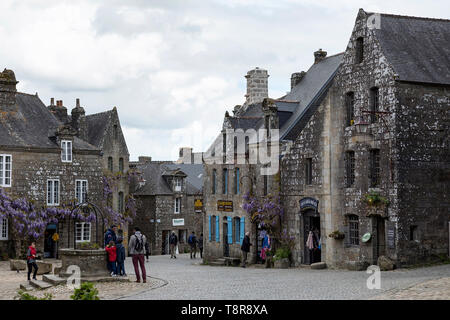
column 92, row 263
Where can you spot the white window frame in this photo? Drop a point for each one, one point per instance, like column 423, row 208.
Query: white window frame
column 66, row 151
column 82, row 237
column 4, row 229
column 178, row 184
column 80, row 193
column 53, row 192
column 177, row 205
column 3, row 170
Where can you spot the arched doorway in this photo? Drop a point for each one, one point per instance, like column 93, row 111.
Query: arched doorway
column 310, row 218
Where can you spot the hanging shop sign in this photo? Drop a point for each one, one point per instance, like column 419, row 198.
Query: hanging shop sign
column 198, row 205
column 309, row 203
column 177, row 222
column 366, row 237
column 225, row 205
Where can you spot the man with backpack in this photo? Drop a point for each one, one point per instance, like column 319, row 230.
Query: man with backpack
column 136, row 249
column 173, row 241
column 192, row 240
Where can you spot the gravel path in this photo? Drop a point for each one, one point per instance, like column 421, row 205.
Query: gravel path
column 188, row 279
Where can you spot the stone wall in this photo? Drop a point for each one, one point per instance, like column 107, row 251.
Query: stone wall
column 30, row 171
column 423, row 166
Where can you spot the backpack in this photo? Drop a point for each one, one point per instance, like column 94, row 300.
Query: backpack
column 139, row 245
column 190, row 239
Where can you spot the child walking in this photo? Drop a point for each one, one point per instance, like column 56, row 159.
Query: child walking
column 120, row 258
column 112, row 257
column 31, row 260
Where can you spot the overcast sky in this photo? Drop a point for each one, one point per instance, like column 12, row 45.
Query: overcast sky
column 173, row 67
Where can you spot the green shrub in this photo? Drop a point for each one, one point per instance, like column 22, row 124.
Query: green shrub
column 282, row 253
column 22, row 295
column 87, row 291
column 89, row 246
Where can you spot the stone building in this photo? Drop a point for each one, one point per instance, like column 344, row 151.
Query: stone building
column 234, row 165
column 52, row 158
column 169, row 198
column 368, row 167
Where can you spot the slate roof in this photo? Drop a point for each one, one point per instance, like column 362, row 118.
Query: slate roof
column 31, row 125
column 97, row 124
column 417, row 48
column 153, row 173
column 309, row 92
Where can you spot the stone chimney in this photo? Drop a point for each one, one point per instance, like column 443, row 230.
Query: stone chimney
column 296, row 78
column 79, row 120
column 257, row 86
column 319, row 55
column 7, row 90
column 58, row 110
column 143, row 159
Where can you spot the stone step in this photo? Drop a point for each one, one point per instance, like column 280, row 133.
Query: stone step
column 26, row 286
column 40, row 284
column 318, row 265
column 217, row 263
column 53, row 279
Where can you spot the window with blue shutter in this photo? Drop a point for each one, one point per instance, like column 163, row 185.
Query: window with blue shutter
column 242, row 229
column 217, row 229
column 209, row 218
column 230, row 230
column 237, row 227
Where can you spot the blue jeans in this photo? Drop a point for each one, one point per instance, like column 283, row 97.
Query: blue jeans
column 120, row 268
column 112, row 266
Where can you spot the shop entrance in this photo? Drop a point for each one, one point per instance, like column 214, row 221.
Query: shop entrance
column 380, row 238
column 165, row 242
column 50, row 245
column 311, row 237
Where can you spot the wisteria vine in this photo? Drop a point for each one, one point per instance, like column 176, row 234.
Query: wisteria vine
column 26, row 220
column 266, row 211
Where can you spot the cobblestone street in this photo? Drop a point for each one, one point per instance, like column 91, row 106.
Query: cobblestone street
column 188, row 279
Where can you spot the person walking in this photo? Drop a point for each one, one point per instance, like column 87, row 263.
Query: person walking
column 112, row 257
column 192, row 241
column 173, row 241
column 121, row 256
column 136, row 248
column 200, row 245
column 31, row 261
column 245, row 248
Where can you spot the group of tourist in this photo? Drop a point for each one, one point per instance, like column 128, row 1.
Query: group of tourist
column 193, row 242
column 137, row 248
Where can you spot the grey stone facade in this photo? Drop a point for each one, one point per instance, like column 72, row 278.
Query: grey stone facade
column 32, row 136
column 411, row 138
column 156, row 192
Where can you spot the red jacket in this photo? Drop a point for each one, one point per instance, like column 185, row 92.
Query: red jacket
column 31, row 253
column 112, row 254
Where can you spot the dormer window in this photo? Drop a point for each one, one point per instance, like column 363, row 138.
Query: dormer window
column 66, row 151
column 178, row 183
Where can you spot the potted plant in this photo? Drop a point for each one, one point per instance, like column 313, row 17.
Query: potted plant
column 337, row 235
column 281, row 258
column 374, row 199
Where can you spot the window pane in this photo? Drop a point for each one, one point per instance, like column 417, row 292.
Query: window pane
column 63, row 151
column 69, row 151
column 1, row 171
column 56, row 192
column 49, row 192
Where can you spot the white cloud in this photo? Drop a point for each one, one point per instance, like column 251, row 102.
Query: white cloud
column 172, row 68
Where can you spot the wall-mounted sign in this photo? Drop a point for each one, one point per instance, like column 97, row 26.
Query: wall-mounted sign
column 177, row 222
column 308, row 203
column 198, row 205
column 390, row 235
column 225, row 205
